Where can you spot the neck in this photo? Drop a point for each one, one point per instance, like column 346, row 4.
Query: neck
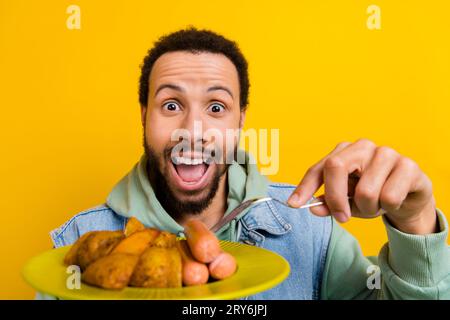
column 215, row 211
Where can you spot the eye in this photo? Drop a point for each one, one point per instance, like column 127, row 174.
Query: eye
column 171, row 106
column 216, row 108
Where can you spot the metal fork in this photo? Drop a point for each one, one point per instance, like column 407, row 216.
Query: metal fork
column 244, row 205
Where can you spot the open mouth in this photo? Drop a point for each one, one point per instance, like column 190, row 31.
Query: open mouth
column 190, row 173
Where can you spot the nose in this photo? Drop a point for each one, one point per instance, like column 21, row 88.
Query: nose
column 193, row 124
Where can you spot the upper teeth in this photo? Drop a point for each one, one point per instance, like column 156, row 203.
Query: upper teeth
column 188, row 161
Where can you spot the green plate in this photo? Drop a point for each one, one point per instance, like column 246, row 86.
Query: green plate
column 258, row 270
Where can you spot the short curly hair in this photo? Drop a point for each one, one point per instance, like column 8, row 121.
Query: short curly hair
column 195, row 41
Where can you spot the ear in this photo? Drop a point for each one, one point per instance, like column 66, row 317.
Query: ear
column 143, row 115
column 241, row 121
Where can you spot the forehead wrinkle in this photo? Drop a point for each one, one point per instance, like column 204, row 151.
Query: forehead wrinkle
column 188, row 70
column 187, row 63
column 220, row 73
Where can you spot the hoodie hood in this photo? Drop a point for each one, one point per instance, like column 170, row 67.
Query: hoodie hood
column 133, row 195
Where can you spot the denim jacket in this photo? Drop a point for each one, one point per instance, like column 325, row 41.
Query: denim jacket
column 296, row 234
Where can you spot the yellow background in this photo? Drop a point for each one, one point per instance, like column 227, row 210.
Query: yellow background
column 70, row 115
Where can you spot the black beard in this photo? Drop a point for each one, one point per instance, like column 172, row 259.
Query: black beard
column 174, row 206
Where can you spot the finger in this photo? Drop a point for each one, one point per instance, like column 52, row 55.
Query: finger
column 336, row 176
column 310, row 183
column 400, row 183
column 368, row 188
column 320, row 210
column 356, row 157
column 312, row 180
column 336, row 188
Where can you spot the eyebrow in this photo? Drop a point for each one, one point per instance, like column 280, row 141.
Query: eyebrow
column 214, row 88
column 170, row 86
column 180, row 89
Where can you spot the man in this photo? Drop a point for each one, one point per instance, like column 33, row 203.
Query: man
column 193, row 77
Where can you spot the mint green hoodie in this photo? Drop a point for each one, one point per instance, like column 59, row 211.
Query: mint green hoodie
column 412, row 266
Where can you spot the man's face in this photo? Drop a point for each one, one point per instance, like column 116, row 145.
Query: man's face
column 194, row 93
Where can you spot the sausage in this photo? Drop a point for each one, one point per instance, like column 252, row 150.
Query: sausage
column 194, row 272
column 223, row 266
column 203, row 243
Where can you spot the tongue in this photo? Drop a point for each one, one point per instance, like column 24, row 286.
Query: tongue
column 191, row 173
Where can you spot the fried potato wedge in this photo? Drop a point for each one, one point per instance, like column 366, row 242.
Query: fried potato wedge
column 158, row 268
column 133, row 225
column 111, row 272
column 137, row 242
column 165, row 240
column 97, row 245
column 71, row 257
